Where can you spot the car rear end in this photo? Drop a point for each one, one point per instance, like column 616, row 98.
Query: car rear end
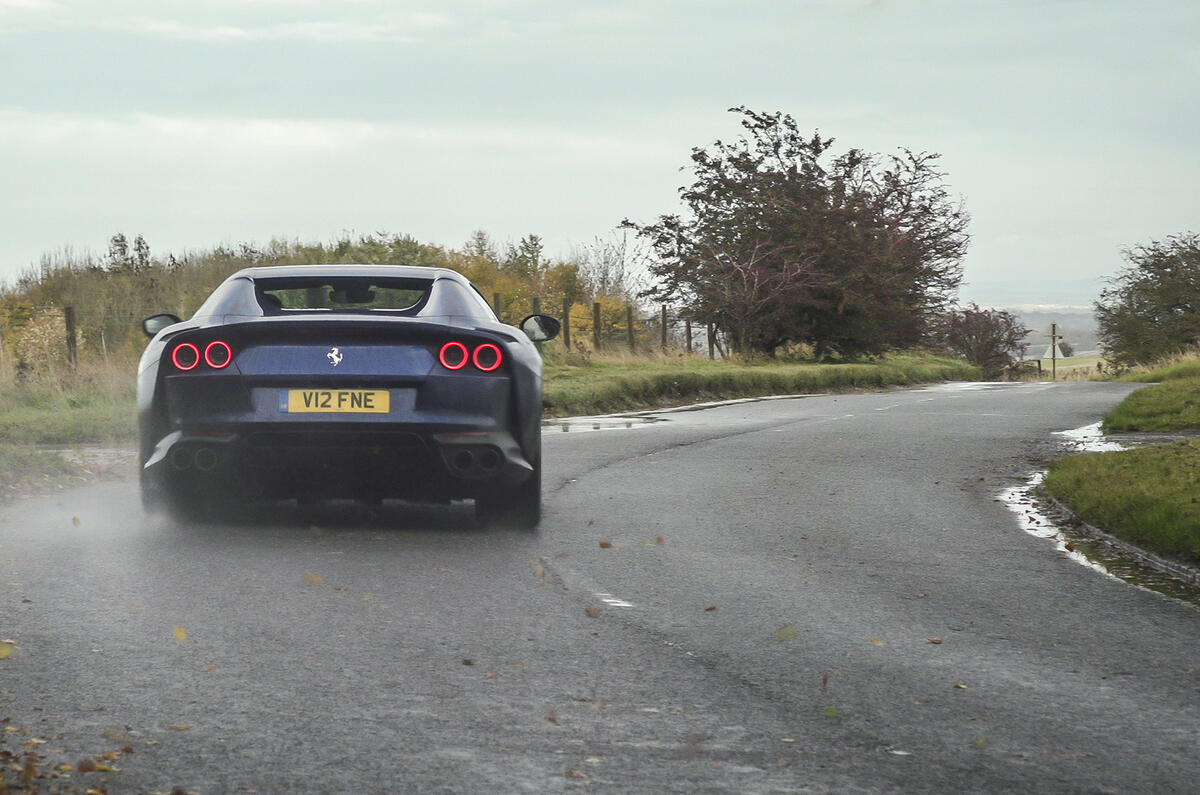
column 315, row 406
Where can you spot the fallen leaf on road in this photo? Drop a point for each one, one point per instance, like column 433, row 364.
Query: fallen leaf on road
column 180, row 634
column 934, row 640
column 959, row 686
column 606, row 545
column 659, row 541
column 573, row 773
column 180, row 728
column 877, row 642
column 710, row 609
column 313, row 578
column 7, row 647
column 75, row 521
column 786, row 633
column 832, row 713
column 593, row 612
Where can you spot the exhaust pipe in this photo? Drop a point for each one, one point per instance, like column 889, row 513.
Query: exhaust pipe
column 462, row 461
column 205, row 459
column 489, row 460
column 181, row 458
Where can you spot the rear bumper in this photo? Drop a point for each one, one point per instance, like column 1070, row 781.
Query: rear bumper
column 418, row 463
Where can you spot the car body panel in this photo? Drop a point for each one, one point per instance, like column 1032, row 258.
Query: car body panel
column 225, row 431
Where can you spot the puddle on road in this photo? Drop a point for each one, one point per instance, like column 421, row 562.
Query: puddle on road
column 1044, row 520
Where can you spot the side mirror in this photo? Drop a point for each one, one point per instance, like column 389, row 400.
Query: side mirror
column 540, row 328
column 156, row 323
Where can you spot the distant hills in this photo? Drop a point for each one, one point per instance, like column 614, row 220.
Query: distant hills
column 1076, row 325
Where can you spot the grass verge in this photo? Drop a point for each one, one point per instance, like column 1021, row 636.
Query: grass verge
column 1147, row 496
column 576, row 385
column 1172, row 405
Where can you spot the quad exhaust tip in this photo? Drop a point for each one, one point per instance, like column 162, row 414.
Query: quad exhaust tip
column 474, row 461
column 203, row 459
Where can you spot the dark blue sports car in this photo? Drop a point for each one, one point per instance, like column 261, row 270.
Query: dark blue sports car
column 368, row 382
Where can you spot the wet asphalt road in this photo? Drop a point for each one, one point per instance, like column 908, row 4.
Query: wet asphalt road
column 808, row 594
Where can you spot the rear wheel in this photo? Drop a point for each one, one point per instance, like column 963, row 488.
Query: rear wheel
column 518, row 507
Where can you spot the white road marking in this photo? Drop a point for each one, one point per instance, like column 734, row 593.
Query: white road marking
column 612, row 601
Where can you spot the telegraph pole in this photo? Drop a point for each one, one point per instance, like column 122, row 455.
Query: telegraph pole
column 1054, row 351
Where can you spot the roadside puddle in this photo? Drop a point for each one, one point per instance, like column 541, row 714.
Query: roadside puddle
column 1043, row 519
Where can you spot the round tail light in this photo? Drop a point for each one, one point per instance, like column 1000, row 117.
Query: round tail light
column 185, row 356
column 487, row 357
column 454, row 355
column 218, row 354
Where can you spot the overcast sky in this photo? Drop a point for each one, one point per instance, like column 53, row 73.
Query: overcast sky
column 1069, row 128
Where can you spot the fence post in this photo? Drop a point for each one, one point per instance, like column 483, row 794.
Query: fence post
column 711, row 341
column 566, row 323
column 687, row 333
column 664, row 328
column 629, row 323
column 69, row 322
column 496, row 306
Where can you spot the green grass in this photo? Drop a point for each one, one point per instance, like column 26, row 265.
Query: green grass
column 1180, row 370
column 1147, row 496
column 576, row 385
column 1172, row 405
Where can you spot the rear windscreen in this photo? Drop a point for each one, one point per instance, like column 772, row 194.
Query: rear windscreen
column 341, row 294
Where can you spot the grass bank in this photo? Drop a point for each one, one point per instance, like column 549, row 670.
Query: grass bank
column 576, row 385
column 1147, row 496
column 1169, row 406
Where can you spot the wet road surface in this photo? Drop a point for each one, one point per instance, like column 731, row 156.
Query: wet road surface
column 820, row 593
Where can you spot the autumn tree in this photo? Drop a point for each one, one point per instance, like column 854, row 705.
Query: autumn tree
column 1152, row 308
column 783, row 241
column 991, row 339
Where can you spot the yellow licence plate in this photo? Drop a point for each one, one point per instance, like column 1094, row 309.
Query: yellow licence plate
column 340, row 401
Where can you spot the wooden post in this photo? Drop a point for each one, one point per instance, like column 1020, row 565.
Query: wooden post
column 664, row 328
column 596, row 325
column 496, row 305
column 566, row 323
column 1053, row 351
column 629, row 323
column 69, row 322
column 711, row 341
column 687, row 333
